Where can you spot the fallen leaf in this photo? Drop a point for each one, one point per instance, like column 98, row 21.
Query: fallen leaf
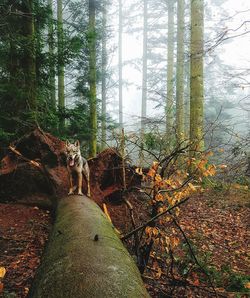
column 2, row 272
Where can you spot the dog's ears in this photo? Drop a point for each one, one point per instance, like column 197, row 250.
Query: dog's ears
column 67, row 143
column 77, row 143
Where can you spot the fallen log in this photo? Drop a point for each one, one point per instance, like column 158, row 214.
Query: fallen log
column 84, row 257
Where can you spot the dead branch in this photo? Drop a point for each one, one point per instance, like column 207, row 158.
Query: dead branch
column 154, row 219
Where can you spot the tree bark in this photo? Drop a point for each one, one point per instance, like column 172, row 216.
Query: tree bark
column 144, row 66
column 92, row 78
column 196, row 76
column 60, row 53
column 180, row 72
column 170, row 70
column 104, row 76
column 51, row 43
column 84, row 257
column 120, row 65
column 29, row 60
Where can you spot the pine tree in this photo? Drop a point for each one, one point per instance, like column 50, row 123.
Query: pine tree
column 92, row 78
column 180, row 72
column 144, row 65
column 120, row 64
column 170, row 70
column 60, row 58
column 104, row 75
column 196, row 75
column 51, row 43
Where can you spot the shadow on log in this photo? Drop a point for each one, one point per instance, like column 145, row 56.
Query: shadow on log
column 84, row 257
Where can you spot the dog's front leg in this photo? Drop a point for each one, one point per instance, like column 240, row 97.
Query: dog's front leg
column 71, row 186
column 80, row 183
column 88, row 184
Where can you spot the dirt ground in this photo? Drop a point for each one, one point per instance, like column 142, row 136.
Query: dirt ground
column 216, row 222
column 23, row 233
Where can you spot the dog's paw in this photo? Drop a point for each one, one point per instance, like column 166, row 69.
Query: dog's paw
column 70, row 193
column 80, row 193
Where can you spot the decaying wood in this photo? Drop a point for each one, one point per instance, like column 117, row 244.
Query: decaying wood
column 35, row 168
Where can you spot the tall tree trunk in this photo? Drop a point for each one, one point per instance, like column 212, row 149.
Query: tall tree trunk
column 187, row 98
column 170, row 70
column 180, row 72
column 120, row 64
column 60, row 52
column 92, row 78
column 104, row 75
column 144, row 66
column 196, row 75
column 29, row 60
column 51, row 42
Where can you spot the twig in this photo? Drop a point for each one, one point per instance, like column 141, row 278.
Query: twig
column 153, row 219
column 32, row 162
column 15, row 240
column 193, row 254
column 130, row 207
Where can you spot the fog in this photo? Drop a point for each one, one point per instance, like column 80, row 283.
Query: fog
column 230, row 19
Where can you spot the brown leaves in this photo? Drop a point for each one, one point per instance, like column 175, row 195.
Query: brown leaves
column 25, row 230
column 2, row 274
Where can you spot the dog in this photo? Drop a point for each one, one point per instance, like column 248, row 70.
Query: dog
column 78, row 164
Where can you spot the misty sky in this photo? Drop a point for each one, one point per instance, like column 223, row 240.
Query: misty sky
column 235, row 53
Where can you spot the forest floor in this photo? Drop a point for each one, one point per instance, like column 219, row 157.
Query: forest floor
column 216, row 223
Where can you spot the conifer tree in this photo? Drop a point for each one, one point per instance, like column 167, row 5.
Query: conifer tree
column 60, row 58
column 180, row 72
column 92, row 77
column 196, row 75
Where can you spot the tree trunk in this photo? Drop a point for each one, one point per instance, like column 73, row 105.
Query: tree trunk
column 104, row 76
column 180, row 72
column 60, row 52
column 187, row 98
column 144, row 66
column 84, row 257
column 29, row 60
column 170, row 70
column 196, row 76
column 51, row 43
column 92, row 78
column 120, row 65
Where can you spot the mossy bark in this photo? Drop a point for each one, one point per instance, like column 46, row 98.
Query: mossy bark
column 144, row 67
column 84, row 257
column 104, row 76
column 51, row 44
column 60, row 53
column 120, row 66
column 196, row 76
column 180, row 72
column 92, row 78
column 29, row 59
column 170, row 70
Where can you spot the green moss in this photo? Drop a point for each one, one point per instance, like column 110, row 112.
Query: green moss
column 77, row 264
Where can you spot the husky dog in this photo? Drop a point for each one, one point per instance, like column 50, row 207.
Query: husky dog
column 76, row 163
